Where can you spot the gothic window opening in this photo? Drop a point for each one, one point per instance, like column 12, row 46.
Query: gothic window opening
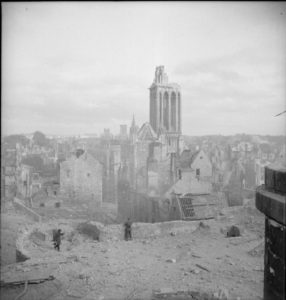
column 173, row 111
column 166, row 110
column 179, row 111
column 160, row 112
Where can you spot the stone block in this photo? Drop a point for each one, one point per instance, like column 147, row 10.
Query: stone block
column 271, row 204
column 275, row 178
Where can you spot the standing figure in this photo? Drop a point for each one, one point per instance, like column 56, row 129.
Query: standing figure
column 127, row 226
column 57, row 239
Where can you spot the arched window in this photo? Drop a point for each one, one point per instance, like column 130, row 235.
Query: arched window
column 179, row 111
column 166, row 110
column 160, row 112
column 173, row 111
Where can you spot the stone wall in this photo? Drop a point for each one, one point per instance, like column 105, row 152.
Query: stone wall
column 196, row 185
column 147, row 230
column 25, row 247
column 81, row 178
column 203, row 163
column 162, row 169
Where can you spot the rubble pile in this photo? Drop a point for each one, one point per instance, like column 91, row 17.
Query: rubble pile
column 185, row 258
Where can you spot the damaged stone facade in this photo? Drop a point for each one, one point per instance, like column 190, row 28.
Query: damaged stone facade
column 194, row 173
column 81, row 177
column 10, row 169
column 25, row 181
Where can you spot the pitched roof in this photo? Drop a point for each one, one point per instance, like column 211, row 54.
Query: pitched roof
column 146, row 132
column 187, row 158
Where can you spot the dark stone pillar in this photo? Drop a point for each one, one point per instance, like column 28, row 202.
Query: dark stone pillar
column 271, row 200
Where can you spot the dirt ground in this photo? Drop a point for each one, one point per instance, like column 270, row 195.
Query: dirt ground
column 203, row 261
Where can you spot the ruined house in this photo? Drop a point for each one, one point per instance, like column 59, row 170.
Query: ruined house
column 24, row 185
column 194, row 173
column 81, row 177
column 10, row 162
column 190, row 196
column 30, row 181
column 191, row 207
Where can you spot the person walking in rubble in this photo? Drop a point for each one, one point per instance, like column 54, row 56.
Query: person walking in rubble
column 127, row 226
column 57, row 239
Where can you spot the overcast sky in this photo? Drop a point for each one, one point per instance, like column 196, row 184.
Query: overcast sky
column 78, row 67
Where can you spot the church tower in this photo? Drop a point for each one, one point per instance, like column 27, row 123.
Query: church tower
column 165, row 108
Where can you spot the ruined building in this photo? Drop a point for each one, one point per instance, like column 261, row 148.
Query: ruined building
column 81, row 177
column 10, row 168
column 194, row 174
column 29, row 181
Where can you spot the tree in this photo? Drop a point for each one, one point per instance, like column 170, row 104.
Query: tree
column 40, row 139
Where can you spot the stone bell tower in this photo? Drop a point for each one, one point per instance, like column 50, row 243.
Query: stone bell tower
column 165, row 108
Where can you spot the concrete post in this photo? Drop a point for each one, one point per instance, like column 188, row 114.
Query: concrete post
column 271, row 200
